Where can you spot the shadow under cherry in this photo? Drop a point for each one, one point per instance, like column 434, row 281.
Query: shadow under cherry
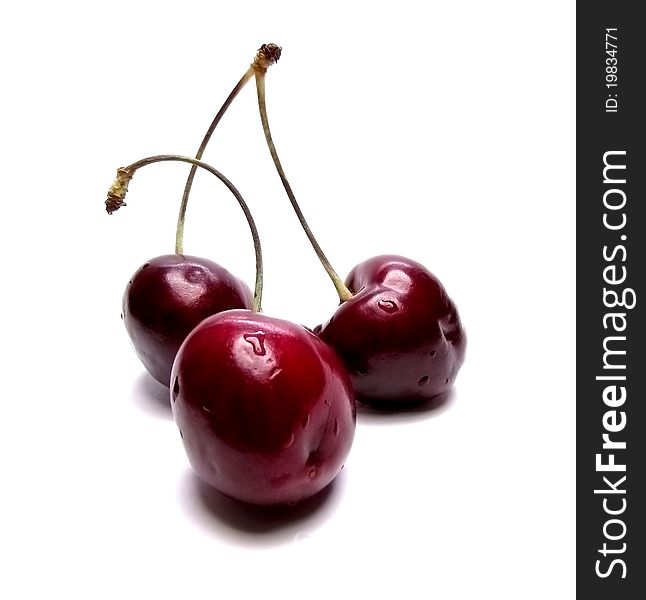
column 152, row 397
column 384, row 413
column 252, row 525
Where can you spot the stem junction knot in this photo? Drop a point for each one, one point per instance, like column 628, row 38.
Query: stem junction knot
column 267, row 55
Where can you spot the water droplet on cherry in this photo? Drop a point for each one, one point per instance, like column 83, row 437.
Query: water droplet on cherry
column 388, row 306
column 423, row 380
column 257, row 341
column 175, row 389
column 289, row 443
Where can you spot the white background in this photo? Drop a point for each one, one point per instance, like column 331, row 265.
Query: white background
column 443, row 131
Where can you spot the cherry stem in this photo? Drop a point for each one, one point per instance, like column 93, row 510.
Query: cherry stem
column 342, row 290
column 266, row 56
column 119, row 189
column 179, row 232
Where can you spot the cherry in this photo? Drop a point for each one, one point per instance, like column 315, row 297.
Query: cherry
column 400, row 335
column 171, row 294
column 397, row 331
column 167, row 297
column 264, row 407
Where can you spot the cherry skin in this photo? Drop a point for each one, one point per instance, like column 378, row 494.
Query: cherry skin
column 400, row 335
column 264, row 407
column 167, row 297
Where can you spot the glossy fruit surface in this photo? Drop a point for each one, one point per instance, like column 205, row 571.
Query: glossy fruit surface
column 400, row 336
column 265, row 408
column 167, row 297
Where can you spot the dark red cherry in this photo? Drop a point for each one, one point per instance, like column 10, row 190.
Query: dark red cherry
column 167, row 297
column 400, row 335
column 264, row 407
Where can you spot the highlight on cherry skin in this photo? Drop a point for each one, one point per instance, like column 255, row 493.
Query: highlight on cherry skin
column 265, row 409
column 399, row 335
column 167, row 297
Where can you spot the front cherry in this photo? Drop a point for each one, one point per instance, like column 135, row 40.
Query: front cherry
column 167, row 297
column 264, row 407
column 400, row 335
